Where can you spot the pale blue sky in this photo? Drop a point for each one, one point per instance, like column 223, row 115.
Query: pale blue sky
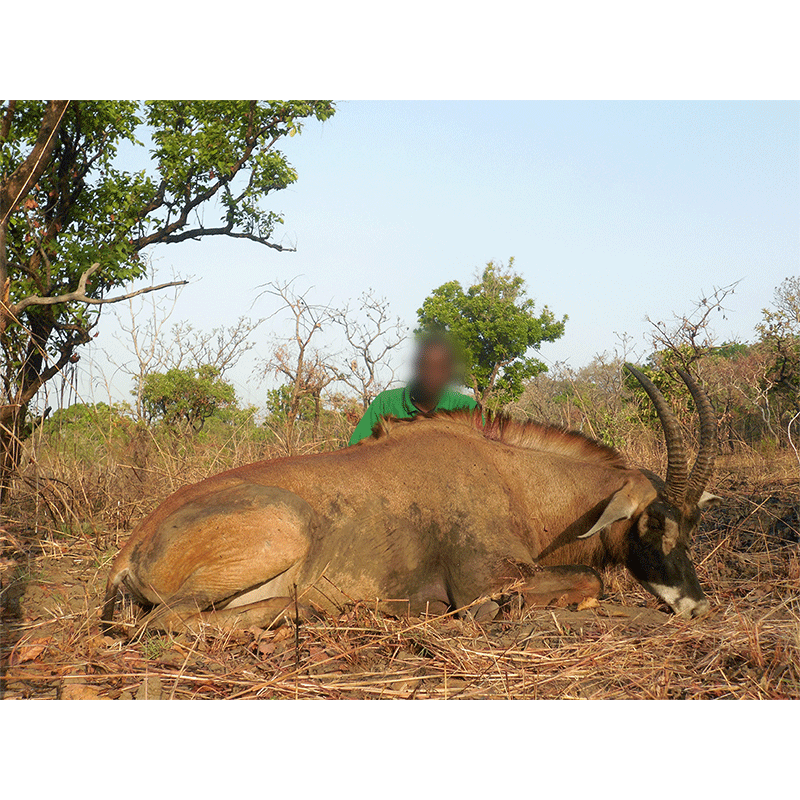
column 613, row 211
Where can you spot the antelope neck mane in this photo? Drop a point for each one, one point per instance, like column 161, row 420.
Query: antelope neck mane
column 502, row 428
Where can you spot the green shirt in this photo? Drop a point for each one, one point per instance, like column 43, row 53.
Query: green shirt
column 397, row 403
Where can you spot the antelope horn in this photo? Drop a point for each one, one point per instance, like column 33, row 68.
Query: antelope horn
column 677, row 464
column 704, row 464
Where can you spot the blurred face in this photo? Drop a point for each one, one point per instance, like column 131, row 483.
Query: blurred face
column 434, row 370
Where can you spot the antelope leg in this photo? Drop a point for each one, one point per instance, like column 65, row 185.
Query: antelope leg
column 269, row 613
column 562, row 586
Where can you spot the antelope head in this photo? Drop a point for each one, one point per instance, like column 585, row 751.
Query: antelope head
column 662, row 528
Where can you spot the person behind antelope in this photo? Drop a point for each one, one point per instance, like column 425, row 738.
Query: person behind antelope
column 428, row 391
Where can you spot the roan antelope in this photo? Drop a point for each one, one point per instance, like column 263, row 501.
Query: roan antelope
column 427, row 516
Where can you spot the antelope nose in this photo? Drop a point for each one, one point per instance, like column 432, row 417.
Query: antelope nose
column 701, row 609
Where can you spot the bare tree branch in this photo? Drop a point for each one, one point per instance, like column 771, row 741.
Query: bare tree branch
column 371, row 345
column 690, row 336
column 227, row 230
column 79, row 295
column 308, row 370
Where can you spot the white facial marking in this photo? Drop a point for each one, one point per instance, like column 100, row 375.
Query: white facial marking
column 682, row 606
column 669, row 594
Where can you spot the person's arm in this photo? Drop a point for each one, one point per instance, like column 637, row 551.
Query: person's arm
column 364, row 428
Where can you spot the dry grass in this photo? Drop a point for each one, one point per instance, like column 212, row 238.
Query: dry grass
column 747, row 557
column 105, row 479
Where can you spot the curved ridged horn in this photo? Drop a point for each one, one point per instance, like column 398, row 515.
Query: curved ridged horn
column 677, row 464
column 704, row 464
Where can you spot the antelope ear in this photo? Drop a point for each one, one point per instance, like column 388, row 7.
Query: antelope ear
column 621, row 506
column 708, row 500
column 670, row 536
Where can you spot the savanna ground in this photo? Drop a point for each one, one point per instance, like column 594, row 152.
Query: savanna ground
column 746, row 553
column 75, row 483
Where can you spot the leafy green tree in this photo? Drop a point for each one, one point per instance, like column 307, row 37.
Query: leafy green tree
column 185, row 398
column 84, row 415
column 496, row 325
column 86, row 429
column 74, row 222
column 279, row 405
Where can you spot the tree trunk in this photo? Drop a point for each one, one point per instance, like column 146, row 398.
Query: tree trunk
column 317, row 413
column 291, row 419
column 12, row 432
column 24, row 384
